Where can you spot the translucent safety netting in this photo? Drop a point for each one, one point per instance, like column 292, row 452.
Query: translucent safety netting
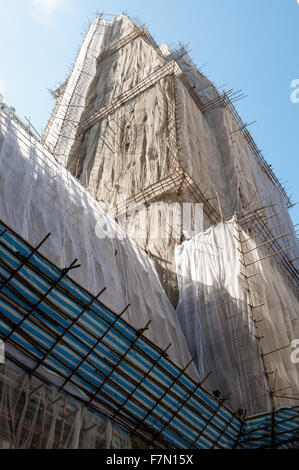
column 34, row 415
column 60, row 132
column 216, row 314
column 225, row 160
column 55, row 331
column 38, row 196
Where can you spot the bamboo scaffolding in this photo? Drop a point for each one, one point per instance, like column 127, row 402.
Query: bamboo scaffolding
column 257, row 153
column 277, row 350
column 74, row 90
column 163, row 353
column 120, row 360
column 179, row 52
column 257, row 211
column 265, row 233
column 264, row 219
column 241, row 433
column 222, row 99
column 88, row 305
column 252, row 205
column 104, row 394
column 44, row 296
column 174, row 382
column 269, row 426
column 201, row 433
column 142, row 86
column 137, row 31
column 193, row 188
column 251, row 306
column 24, row 262
column 190, row 395
column 226, row 427
column 258, row 234
column 172, row 182
column 272, row 388
column 265, row 243
column 270, row 256
column 125, row 422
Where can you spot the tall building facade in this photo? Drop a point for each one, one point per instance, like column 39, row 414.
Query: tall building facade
column 204, row 250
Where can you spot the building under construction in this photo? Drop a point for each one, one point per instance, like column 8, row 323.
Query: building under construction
column 124, row 324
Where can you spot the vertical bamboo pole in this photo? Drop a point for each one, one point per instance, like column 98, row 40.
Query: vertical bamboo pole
column 253, row 309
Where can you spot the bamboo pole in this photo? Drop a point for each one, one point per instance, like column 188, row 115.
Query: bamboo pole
column 253, row 314
column 266, row 242
column 270, row 256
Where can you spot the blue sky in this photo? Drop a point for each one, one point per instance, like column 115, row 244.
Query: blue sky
column 248, row 44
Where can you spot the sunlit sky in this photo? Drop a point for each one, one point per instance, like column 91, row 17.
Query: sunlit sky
column 249, row 45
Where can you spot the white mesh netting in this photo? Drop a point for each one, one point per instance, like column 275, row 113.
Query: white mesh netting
column 60, row 132
column 215, row 316
column 39, row 196
column 36, row 416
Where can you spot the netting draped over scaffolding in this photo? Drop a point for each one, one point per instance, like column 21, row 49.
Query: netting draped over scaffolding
column 228, row 163
column 215, row 314
column 54, row 330
column 279, row 429
column 39, row 196
column 35, row 415
column 61, row 130
column 57, row 331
